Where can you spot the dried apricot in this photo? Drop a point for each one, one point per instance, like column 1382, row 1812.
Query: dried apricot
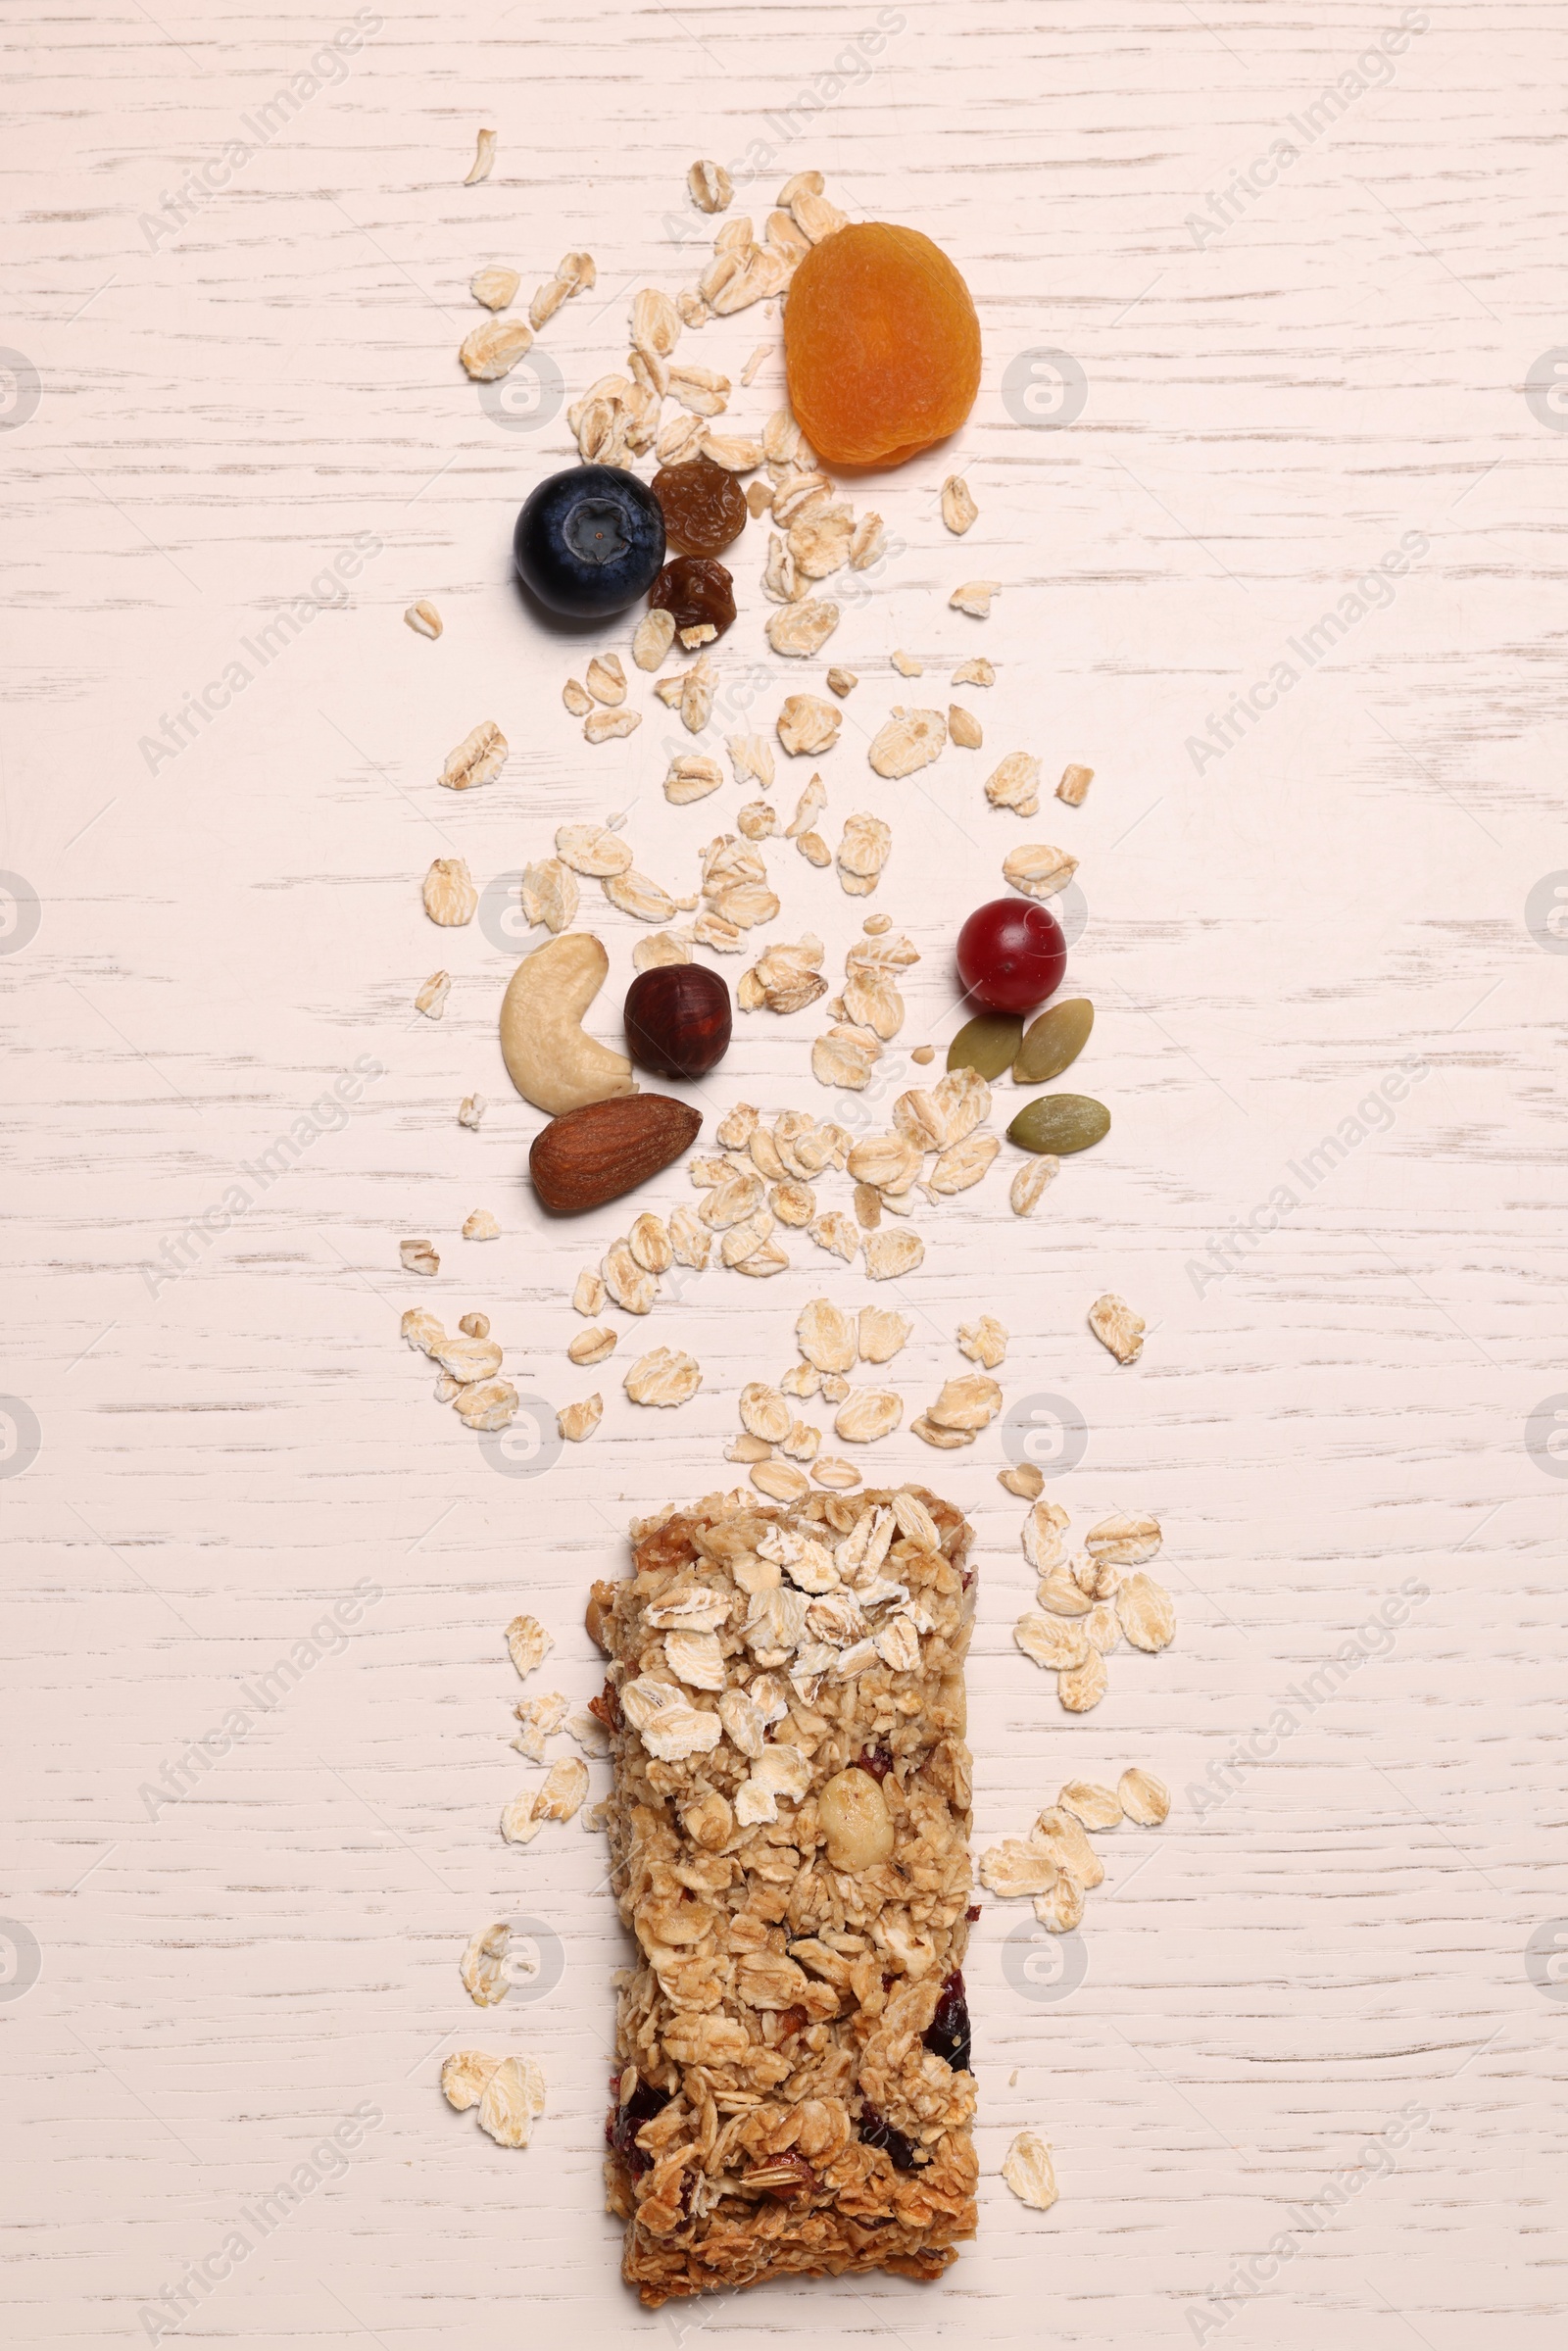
column 695, row 590
column 705, row 506
column 881, row 345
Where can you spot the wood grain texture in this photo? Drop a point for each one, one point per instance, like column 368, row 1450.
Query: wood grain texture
column 1269, row 932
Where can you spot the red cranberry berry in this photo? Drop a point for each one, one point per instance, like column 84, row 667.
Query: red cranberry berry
column 1012, row 955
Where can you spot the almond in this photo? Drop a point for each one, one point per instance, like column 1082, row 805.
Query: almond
column 595, row 1153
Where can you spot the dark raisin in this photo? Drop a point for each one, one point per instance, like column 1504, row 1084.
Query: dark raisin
column 874, row 2133
column 694, row 590
column 949, row 2034
column 792, row 2020
column 705, row 506
column 878, row 1761
column 972, row 1913
column 623, row 2123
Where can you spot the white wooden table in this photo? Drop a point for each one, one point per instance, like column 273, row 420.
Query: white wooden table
column 201, row 945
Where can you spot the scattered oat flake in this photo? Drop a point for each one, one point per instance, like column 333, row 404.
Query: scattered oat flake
column 964, row 1164
column 1074, row 785
column 807, row 726
column 1031, row 1179
column 1082, row 1687
column 481, row 1966
column 471, row 1109
column 1038, row 869
column 592, row 1346
column 908, row 741
column 1014, row 1868
column 424, row 619
column 711, row 185
column 431, row 999
column 971, row 1402
column 1028, row 2171
column 485, row 156
column 419, row 1257
column 802, row 629
column 650, row 1244
column 831, row 1470
column 734, row 454
column 486, row 1405
column 908, row 666
column 601, row 726
column 1095, row 1806
column 549, row 893
column 464, row 2077
column 1143, row 1798
column 662, row 1377
column 696, row 690
column 495, row 286
column 477, row 760
column 845, row 1056
column 836, row 1232
column 842, row 683
column 513, row 2101
column 868, row 1415
column 577, row 1421
column 780, row 1481
column 959, row 509
column 978, row 672
column 1122, row 1541
column 1146, row 1612
column 866, row 542
column 889, row 1254
column 605, row 679
column 983, row 1342
column 528, row 1643
column 494, row 348
column 692, row 776
column 481, row 1226
column 1117, row 1327
column 634, row 894
column 974, row 597
column 1025, row 1480
column 1061, row 1909
column 653, row 638
column 1015, row 784
column 576, row 697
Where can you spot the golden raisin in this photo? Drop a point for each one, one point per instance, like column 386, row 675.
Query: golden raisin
column 881, row 345
column 705, row 506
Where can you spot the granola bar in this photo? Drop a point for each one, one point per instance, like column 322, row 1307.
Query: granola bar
column 789, row 1834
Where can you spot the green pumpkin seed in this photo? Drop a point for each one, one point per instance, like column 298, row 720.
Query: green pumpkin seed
column 988, row 1043
column 1060, row 1123
column 1054, row 1041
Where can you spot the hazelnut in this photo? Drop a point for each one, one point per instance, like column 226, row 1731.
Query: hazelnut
column 678, row 1020
column 851, row 1811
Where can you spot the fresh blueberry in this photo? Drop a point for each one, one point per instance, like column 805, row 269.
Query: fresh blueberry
column 590, row 541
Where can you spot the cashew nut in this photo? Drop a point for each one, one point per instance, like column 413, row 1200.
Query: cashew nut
column 550, row 1058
